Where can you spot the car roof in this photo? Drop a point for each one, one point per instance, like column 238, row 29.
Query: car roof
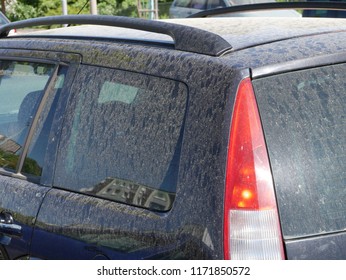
column 240, row 33
column 252, row 31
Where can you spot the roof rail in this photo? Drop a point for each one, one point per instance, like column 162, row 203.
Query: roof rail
column 272, row 6
column 186, row 38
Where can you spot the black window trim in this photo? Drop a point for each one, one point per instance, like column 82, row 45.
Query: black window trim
column 30, row 59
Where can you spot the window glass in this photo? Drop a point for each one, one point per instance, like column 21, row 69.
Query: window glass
column 121, row 139
column 246, row 2
column 34, row 161
column 198, row 4
column 213, row 4
column 325, row 13
column 115, row 92
column 21, row 89
column 2, row 20
column 183, row 3
column 304, row 119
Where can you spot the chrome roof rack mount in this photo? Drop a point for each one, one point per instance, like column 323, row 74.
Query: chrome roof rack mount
column 185, row 38
column 272, row 6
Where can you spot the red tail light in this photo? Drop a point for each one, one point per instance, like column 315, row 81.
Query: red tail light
column 12, row 32
column 251, row 222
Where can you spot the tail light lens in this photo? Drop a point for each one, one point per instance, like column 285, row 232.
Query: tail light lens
column 252, row 228
column 12, row 32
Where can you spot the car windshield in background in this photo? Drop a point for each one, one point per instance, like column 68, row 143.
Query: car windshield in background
column 3, row 19
column 185, row 8
column 325, row 13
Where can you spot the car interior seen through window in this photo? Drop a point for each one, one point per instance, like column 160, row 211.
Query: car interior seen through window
column 22, row 86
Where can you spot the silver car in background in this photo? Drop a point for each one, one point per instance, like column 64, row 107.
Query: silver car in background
column 185, row 8
column 5, row 20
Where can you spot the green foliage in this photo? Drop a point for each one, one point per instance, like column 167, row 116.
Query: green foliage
column 8, row 160
column 31, row 167
column 119, row 7
column 24, row 9
column 33, row 3
column 49, row 7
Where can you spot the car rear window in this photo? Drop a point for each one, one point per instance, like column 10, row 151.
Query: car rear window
column 303, row 115
column 122, row 137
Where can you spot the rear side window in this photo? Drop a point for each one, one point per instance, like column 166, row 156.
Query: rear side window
column 122, row 137
column 198, row 4
column 213, row 4
column 304, row 119
column 182, row 3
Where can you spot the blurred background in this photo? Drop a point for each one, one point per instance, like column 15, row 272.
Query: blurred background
column 152, row 9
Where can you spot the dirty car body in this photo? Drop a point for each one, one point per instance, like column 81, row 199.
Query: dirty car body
column 125, row 150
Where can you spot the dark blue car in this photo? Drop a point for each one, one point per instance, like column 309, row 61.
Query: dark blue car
column 205, row 138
